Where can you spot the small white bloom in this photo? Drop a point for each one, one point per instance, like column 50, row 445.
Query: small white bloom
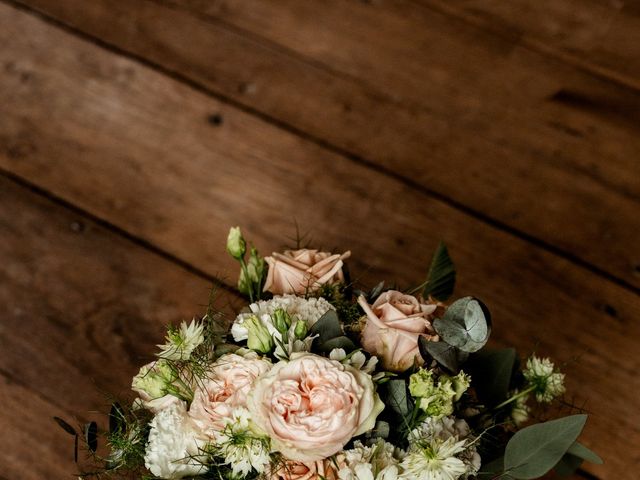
column 174, row 449
column 357, row 360
column 440, row 450
column 181, row 342
column 520, row 411
column 308, row 310
column 240, row 446
column 377, row 462
column 541, row 374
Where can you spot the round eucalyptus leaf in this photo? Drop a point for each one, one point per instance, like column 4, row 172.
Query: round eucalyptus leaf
column 91, row 435
column 466, row 324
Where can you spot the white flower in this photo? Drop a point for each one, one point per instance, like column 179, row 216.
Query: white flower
column 548, row 383
column 308, row 310
column 174, row 449
column 181, row 342
column 240, row 446
column 440, row 450
column 357, row 360
column 378, row 462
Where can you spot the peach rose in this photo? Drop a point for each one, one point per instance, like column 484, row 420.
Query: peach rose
column 227, row 386
column 318, row 470
column 311, row 406
column 394, row 323
column 300, row 271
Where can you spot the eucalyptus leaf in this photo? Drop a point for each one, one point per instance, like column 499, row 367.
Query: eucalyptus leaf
column 327, row 327
column 337, row 342
column 441, row 279
column 535, row 450
column 65, row 426
column 443, row 353
column 583, row 452
column 567, row 465
column 491, row 372
column 397, row 398
column 91, row 435
column 466, row 324
column 493, row 468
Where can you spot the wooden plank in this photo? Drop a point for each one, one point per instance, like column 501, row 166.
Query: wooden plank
column 601, row 36
column 484, row 123
column 139, row 150
column 83, row 310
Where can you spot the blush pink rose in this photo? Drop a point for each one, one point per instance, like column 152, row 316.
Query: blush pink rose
column 312, row 406
column 227, row 386
column 318, row 470
column 301, row 271
column 394, row 323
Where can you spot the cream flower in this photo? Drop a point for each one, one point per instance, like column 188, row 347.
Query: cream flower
column 440, row 450
column 229, row 382
column 291, row 470
column 174, row 449
column 312, row 406
column 154, row 384
column 303, row 271
column 394, row 323
column 308, row 310
column 181, row 342
column 240, row 446
column 547, row 383
column 377, row 462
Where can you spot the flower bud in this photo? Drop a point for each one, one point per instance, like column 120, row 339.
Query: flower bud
column 281, row 320
column 259, row 339
column 300, row 330
column 460, row 384
column 154, row 379
column 236, row 246
column 253, row 274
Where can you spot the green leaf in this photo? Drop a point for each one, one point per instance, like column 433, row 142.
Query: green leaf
column 583, row 452
column 327, row 327
column 567, row 465
column 91, row 435
column 466, row 324
column 446, row 355
column 535, row 450
column 338, row 342
column 493, row 468
column 491, row 372
column 442, row 275
column 65, row 426
column 397, row 398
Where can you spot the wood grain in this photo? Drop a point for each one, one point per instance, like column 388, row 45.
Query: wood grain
column 83, row 309
column 141, row 151
column 519, row 139
column 598, row 35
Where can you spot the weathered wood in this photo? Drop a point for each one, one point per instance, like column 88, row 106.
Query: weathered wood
column 82, row 311
column 491, row 126
column 597, row 35
column 143, row 152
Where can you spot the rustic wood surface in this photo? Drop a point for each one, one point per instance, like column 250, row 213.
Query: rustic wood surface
column 133, row 134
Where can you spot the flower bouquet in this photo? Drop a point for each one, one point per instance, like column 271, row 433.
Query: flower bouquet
column 318, row 380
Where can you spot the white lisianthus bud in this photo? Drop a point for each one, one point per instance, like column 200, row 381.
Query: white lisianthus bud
column 259, row 339
column 236, row 245
column 281, row 320
column 154, row 379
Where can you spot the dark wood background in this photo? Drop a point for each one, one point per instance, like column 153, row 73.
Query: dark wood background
column 134, row 133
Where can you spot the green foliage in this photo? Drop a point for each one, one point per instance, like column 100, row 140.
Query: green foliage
column 446, row 355
column 491, row 372
column 330, row 334
column 441, row 279
column 396, row 397
column 466, row 324
column 535, row 450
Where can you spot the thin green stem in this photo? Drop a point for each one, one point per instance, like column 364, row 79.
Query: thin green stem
column 516, row 397
column 245, row 271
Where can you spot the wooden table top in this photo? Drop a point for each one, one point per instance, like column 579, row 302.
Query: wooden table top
column 133, row 134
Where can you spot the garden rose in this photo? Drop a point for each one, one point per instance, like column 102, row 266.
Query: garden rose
column 312, row 406
column 301, row 271
column 394, row 323
column 227, row 386
column 318, row 470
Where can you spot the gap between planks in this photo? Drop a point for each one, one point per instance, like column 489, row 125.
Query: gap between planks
column 201, row 88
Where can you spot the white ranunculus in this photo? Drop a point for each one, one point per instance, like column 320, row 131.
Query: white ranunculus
column 174, row 449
